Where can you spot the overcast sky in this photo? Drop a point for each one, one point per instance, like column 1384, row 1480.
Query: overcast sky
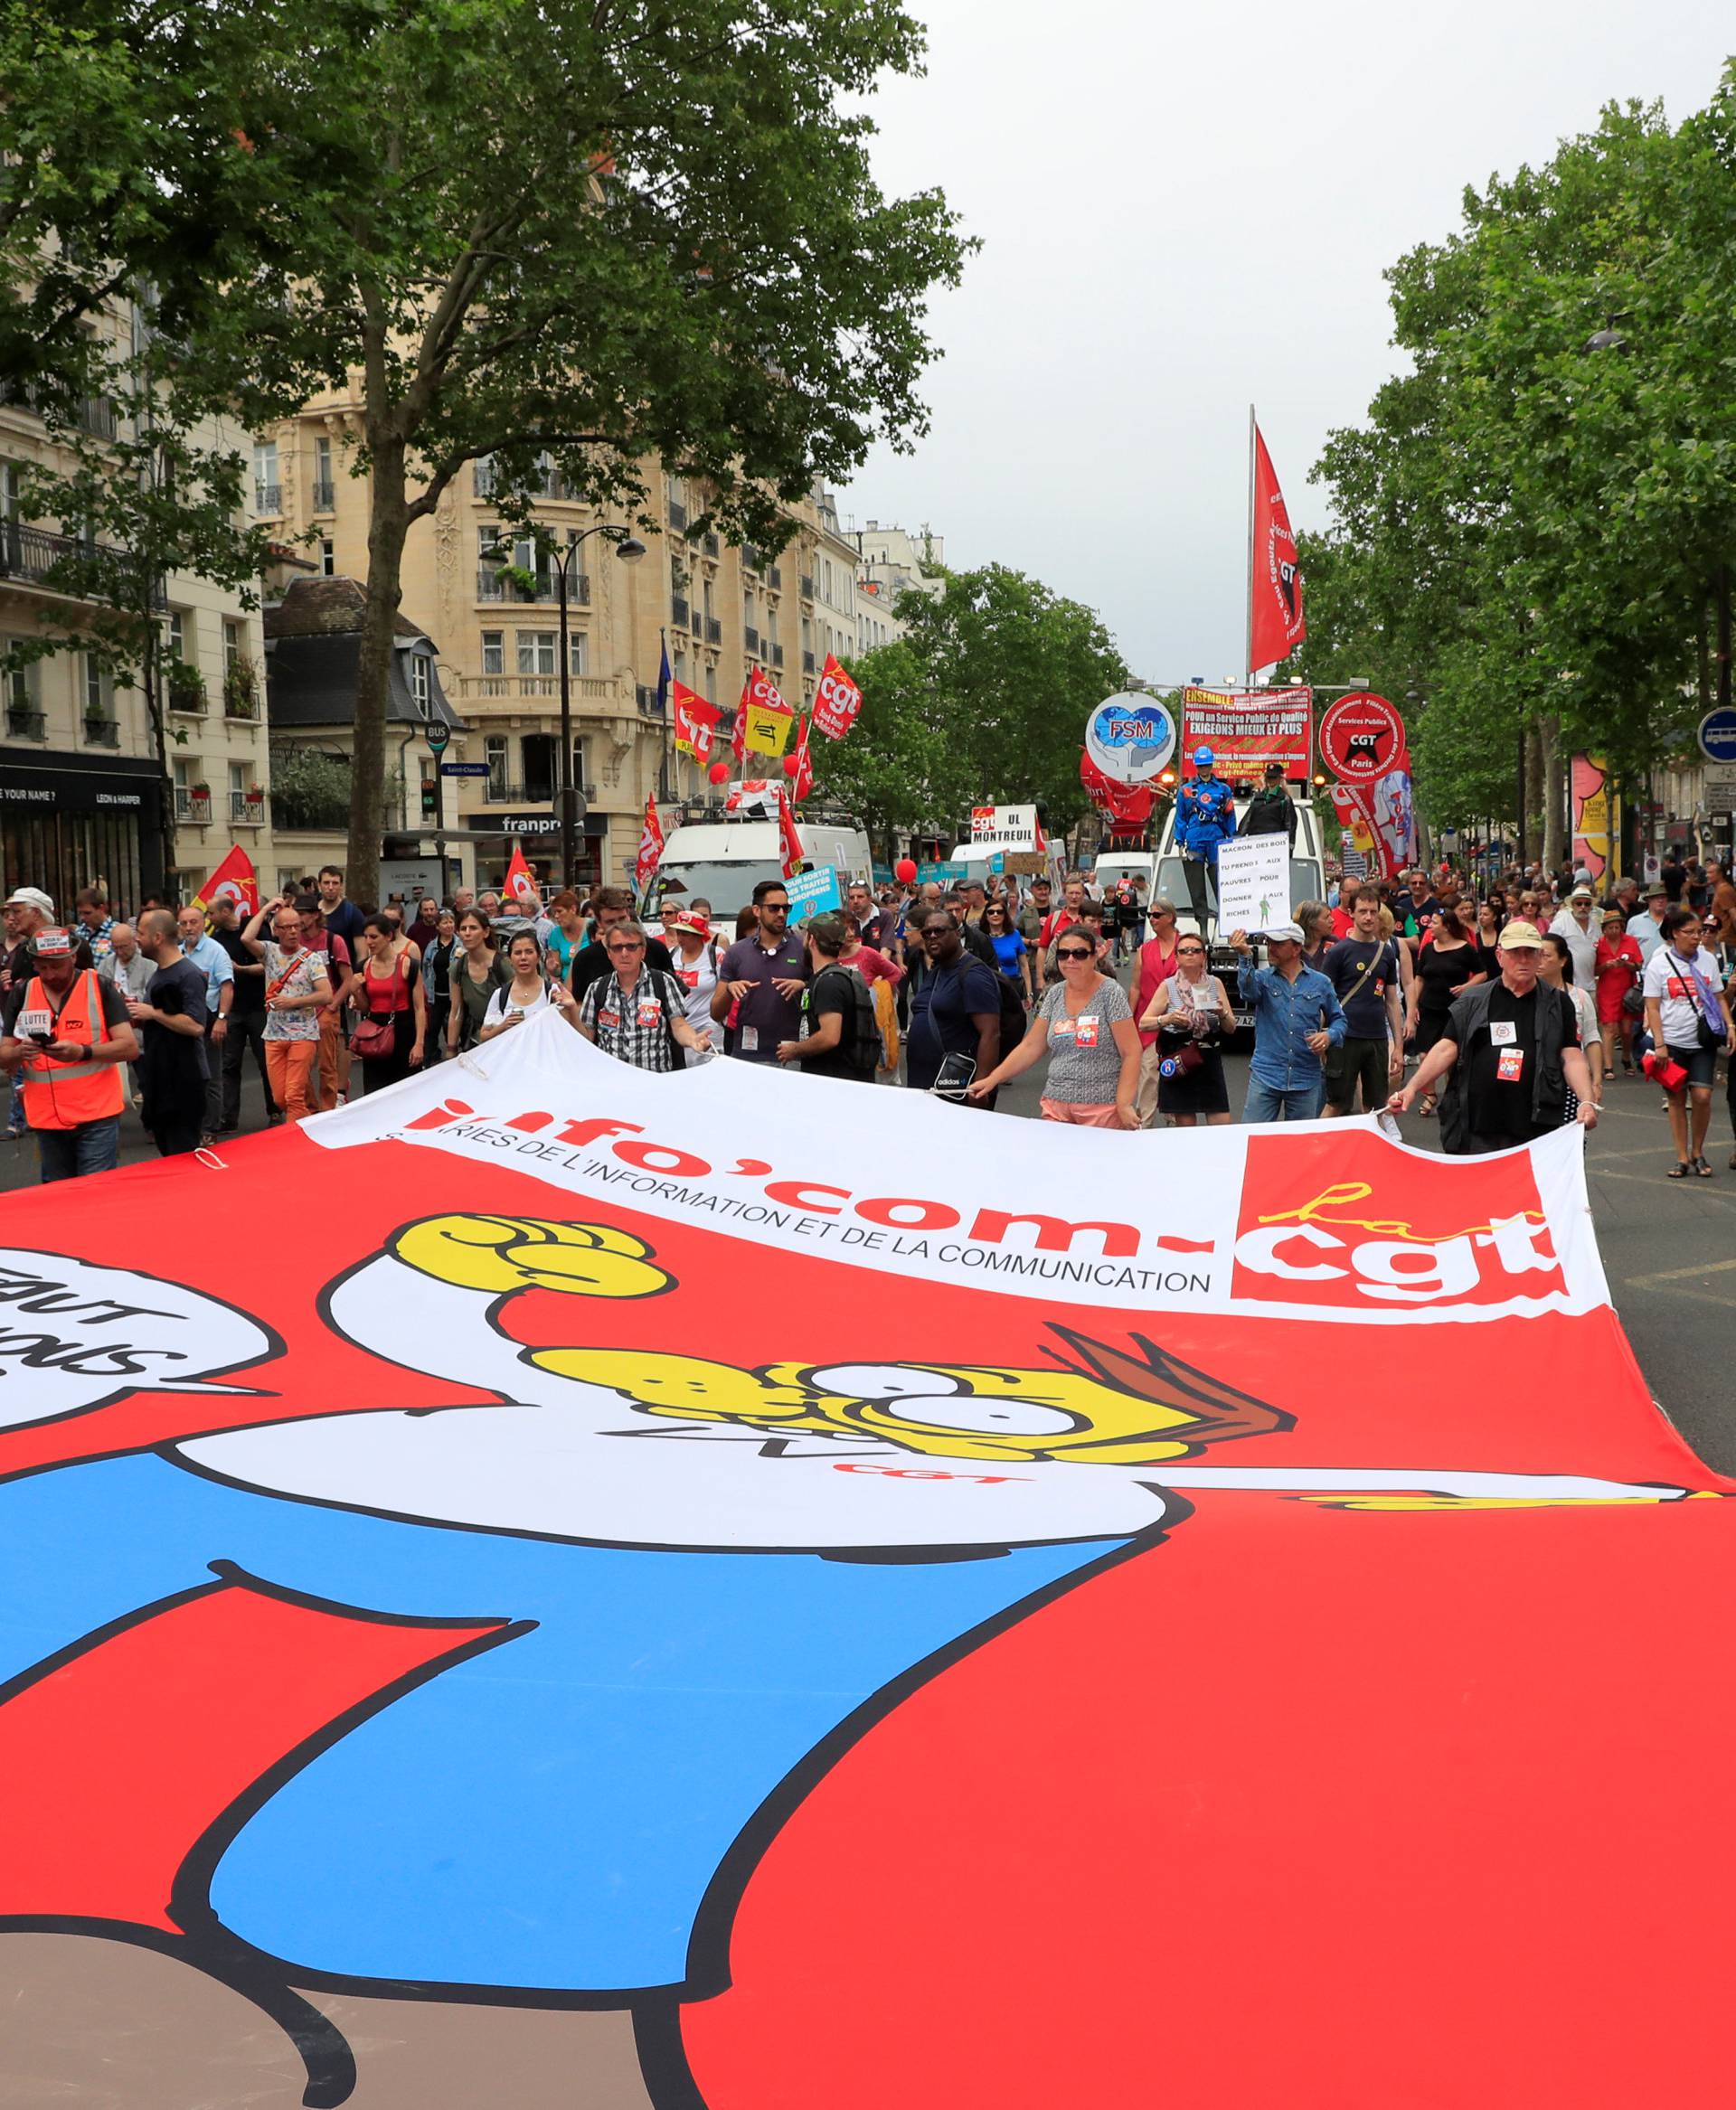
column 1188, row 209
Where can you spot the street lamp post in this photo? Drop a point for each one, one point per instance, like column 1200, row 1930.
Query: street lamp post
column 629, row 550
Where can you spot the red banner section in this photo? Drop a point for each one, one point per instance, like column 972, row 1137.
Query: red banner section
column 1245, row 728
column 1277, row 624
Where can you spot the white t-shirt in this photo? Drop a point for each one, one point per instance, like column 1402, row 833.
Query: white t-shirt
column 1582, row 945
column 503, row 1004
column 1667, row 980
column 697, row 978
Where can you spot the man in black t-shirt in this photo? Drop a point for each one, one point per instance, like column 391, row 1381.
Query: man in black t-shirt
column 172, row 1021
column 246, row 1018
column 591, row 963
column 1364, row 969
column 842, row 1039
column 1512, row 1046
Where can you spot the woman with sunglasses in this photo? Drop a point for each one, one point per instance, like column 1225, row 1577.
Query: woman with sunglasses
column 1190, row 1013
column 1085, row 1024
column 1012, row 955
column 636, row 1013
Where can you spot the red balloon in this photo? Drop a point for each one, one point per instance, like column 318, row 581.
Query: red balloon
column 719, row 772
column 904, row 871
column 791, row 764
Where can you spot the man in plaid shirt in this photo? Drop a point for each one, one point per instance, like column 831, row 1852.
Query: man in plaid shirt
column 636, row 1013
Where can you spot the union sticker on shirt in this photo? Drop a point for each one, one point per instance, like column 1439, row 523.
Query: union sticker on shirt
column 610, row 1018
column 1087, row 1031
column 650, row 1010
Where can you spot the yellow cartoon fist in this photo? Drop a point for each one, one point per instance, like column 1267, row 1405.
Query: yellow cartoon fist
column 507, row 1253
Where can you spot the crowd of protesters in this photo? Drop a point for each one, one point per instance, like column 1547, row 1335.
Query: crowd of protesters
column 1518, row 1002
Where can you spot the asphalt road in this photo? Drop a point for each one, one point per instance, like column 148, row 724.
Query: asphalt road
column 1669, row 1247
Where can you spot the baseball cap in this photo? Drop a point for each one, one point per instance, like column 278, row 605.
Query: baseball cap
column 1293, row 931
column 1520, row 936
column 52, row 945
column 1274, row 768
column 31, row 897
column 1203, row 757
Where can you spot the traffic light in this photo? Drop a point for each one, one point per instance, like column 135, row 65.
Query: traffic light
column 431, row 799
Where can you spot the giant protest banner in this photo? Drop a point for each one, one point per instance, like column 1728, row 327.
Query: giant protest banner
column 1245, row 728
column 485, row 1636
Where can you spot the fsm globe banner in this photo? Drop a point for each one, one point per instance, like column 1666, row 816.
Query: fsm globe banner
column 1130, row 737
column 1248, row 1605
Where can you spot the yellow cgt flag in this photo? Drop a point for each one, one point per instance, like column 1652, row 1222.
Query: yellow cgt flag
column 768, row 728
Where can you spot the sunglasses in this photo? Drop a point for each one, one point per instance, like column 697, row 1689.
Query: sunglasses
column 1180, row 950
column 1071, row 952
column 628, row 945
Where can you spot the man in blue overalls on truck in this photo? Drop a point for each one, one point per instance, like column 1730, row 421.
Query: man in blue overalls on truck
column 1205, row 816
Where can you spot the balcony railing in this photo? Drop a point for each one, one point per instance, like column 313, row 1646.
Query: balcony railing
column 774, row 580
column 325, row 495
column 267, row 500
column 750, row 641
column 807, row 586
column 678, row 515
column 25, row 724
column 696, row 623
column 68, row 565
column 751, row 557
column 807, row 663
column 92, row 414
column 101, row 732
column 584, row 689
column 189, row 805
column 713, row 631
column 712, row 548
column 678, row 612
column 246, row 806
column 646, row 696
column 776, row 656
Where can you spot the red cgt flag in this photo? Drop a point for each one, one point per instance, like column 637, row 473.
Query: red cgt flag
column 794, row 855
column 1276, row 622
column 800, row 768
column 695, row 722
column 836, row 702
column 650, row 846
column 234, row 879
column 521, row 883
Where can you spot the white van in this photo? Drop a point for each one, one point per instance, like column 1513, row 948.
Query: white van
column 1307, row 883
column 720, row 860
column 1118, row 864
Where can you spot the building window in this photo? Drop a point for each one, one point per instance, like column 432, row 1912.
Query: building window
column 327, row 558
column 267, row 494
column 536, row 652
column 579, row 645
column 419, row 682
column 21, row 681
column 580, row 765
column 231, row 646
column 493, row 652
column 324, row 495
column 96, row 697
column 494, row 752
column 178, row 634
column 711, row 684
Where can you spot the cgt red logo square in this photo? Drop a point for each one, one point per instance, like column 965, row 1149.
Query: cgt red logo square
column 1348, row 1222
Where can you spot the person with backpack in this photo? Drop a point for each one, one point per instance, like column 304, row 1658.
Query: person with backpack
column 840, row 1033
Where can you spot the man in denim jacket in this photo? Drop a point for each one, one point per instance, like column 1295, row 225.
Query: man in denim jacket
column 1296, row 1018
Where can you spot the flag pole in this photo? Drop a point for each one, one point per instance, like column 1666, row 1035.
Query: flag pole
column 1250, row 658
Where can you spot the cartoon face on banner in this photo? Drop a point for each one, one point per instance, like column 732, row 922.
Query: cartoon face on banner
column 1130, row 738
column 1361, row 737
column 548, row 1591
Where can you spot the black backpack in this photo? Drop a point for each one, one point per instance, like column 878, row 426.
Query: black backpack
column 860, row 1042
column 1014, row 1023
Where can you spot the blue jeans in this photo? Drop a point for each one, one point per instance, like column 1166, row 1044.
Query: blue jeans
column 1271, row 1102
column 69, row 1153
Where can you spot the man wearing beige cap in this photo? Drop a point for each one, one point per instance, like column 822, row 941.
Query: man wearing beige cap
column 1576, row 922
column 1510, row 1056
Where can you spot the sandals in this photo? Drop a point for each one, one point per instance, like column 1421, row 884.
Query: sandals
column 1702, row 1168
column 1678, row 1172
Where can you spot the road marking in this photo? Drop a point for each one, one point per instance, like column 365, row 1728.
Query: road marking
column 1679, row 1274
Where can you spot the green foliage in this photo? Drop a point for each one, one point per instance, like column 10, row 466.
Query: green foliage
column 309, row 788
column 983, row 699
column 1530, row 526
